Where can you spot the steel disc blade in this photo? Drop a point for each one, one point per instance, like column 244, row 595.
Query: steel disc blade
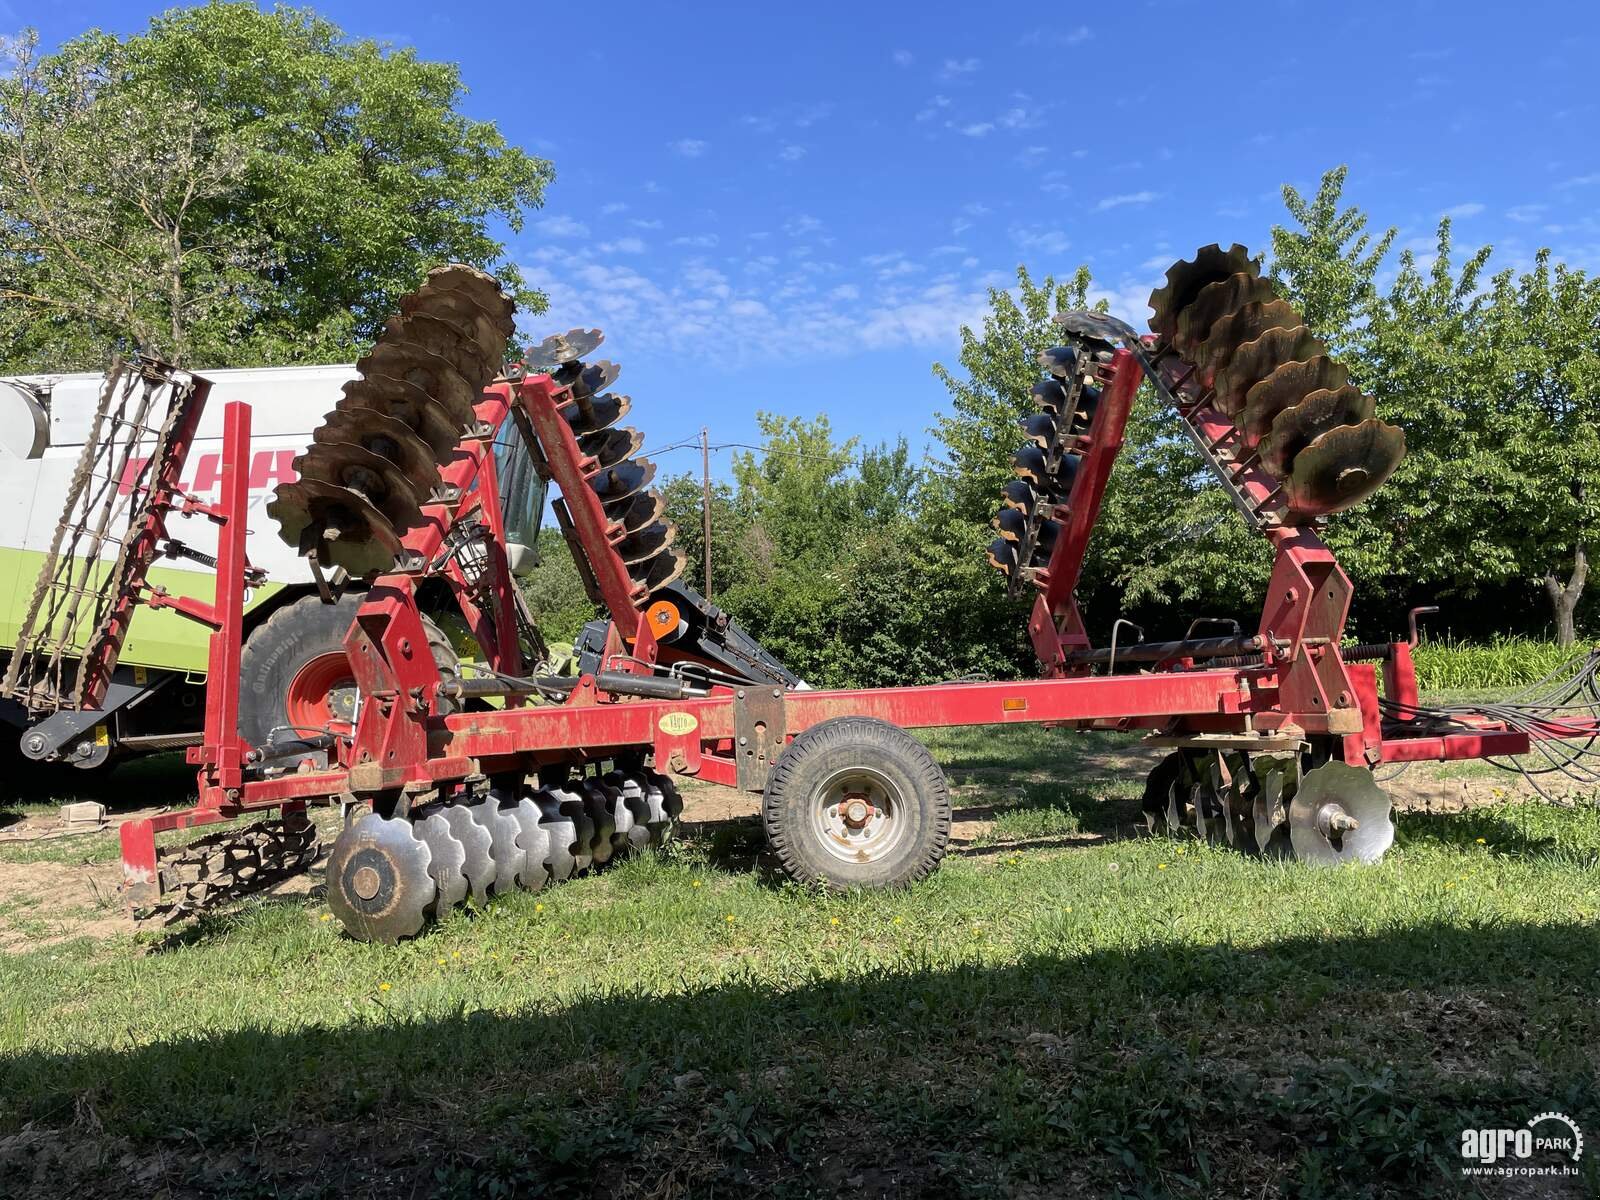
column 1256, row 359
column 623, row 480
column 446, row 340
column 1066, row 474
column 1218, row 300
column 660, row 795
column 1050, row 395
column 612, row 446
column 446, row 859
column 435, row 377
column 502, row 828
column 1186, row 279
column 1098, row 326
column 629, row 812
column 471, row 299
column 650, row 540
column 411, row 408
column 1040, row 428
column 600, row 801
column 1331, row 796
column 1019, row 493
column 1296, row 428
column 1238, row 328
column 378, row 881
column 562, row 831
column 655, row 573
column 583, row 381
column 341, row 526
column 372, row 430
column 575, row 807
column 1003, row 557
column 477, row 862
column 534, row 842
column 1158, row 787
column 602, row 413
column 559, row 349
column 1289, row 383
column 636, row 511
column 1030, row 463
column 1060, row 361
column 1012, row 524
column 1277, row 776
column 370, row 475
column 1342, row 467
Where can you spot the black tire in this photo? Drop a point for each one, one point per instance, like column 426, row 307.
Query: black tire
column 886, row 763
column 283, row 645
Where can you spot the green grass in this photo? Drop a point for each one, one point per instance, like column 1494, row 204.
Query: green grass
column 1089, row 1016
column 1507, row 662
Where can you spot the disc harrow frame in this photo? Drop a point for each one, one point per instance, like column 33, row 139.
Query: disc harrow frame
column 534, row 792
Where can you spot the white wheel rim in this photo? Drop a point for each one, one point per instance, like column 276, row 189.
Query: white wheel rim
column 859, row 815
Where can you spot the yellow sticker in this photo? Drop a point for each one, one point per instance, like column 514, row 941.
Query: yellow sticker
column 102, row 736
column 141, row 676
column 678, row 723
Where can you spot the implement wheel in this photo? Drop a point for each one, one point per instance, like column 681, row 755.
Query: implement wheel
column 857, row 802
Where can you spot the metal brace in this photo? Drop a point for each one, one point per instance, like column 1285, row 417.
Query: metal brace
column 759, row 731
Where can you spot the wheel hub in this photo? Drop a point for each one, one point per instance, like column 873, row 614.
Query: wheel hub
column 379, row 885
column 365, row 882
column 860, row 815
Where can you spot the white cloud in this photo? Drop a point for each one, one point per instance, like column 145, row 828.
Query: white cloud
column 626, row 245
column 845, row 291
column 903, row 58
column 802, row 225
column 1463, row 210
column 1056, row 37
column 976, row 129
column 954, row 68
column 609, row 210
column 792, row 153
column 703, row 241
column 1040, row 241
column 932, row 108
column 689, row 147
column 1125, row 198
column 1580, row 181
column 560, row 227
column 1526, row 213
column 643, row 223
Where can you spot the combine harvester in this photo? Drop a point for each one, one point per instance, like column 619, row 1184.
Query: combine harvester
column 456, row 783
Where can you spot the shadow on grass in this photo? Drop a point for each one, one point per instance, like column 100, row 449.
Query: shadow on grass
column 137, row 783
column 1094, row 1074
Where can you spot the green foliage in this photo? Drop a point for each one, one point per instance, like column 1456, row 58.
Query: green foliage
column 555, row 591
column 235, row 187
column 1505, row 662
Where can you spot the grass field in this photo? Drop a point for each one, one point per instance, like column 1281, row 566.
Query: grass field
column 1065, row 1009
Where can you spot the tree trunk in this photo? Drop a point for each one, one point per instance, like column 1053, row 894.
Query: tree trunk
column 1564, row 600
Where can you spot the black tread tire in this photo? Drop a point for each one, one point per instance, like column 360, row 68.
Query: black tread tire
column 804, row 767
column 304, row 629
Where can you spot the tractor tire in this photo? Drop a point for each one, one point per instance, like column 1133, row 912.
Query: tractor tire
column 294, row 677
column 857, row 802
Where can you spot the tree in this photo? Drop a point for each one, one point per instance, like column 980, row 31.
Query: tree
column 234, row 186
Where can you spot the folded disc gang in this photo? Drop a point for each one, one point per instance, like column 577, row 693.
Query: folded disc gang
column 1289, row 383
column 411, row 407
column 559, row 349
column 1296, row 428
column 383, row 435
column 1238, row 328
column 342, row 527
column 1342, row 467
column 1215, row 301
column 1255, row 360
column 1185, row 280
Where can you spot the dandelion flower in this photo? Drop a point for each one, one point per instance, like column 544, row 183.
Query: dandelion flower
column 898, row 920
column 538, row 908
column 327, row 916
column 441, row 962
column 1161, row 866
column 383, row 987
column 729, row 918
column 1180, row 849
column 455, row 954
column 833, row 920
column 1449, row 885
column 696, row 883
column 1481, row 842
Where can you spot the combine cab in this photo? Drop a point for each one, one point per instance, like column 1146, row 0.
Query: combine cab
column 457, row 786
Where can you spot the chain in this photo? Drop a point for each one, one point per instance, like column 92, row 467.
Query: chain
column 231, row 864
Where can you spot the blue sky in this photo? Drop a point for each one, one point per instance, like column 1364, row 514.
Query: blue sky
column 795, row 207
